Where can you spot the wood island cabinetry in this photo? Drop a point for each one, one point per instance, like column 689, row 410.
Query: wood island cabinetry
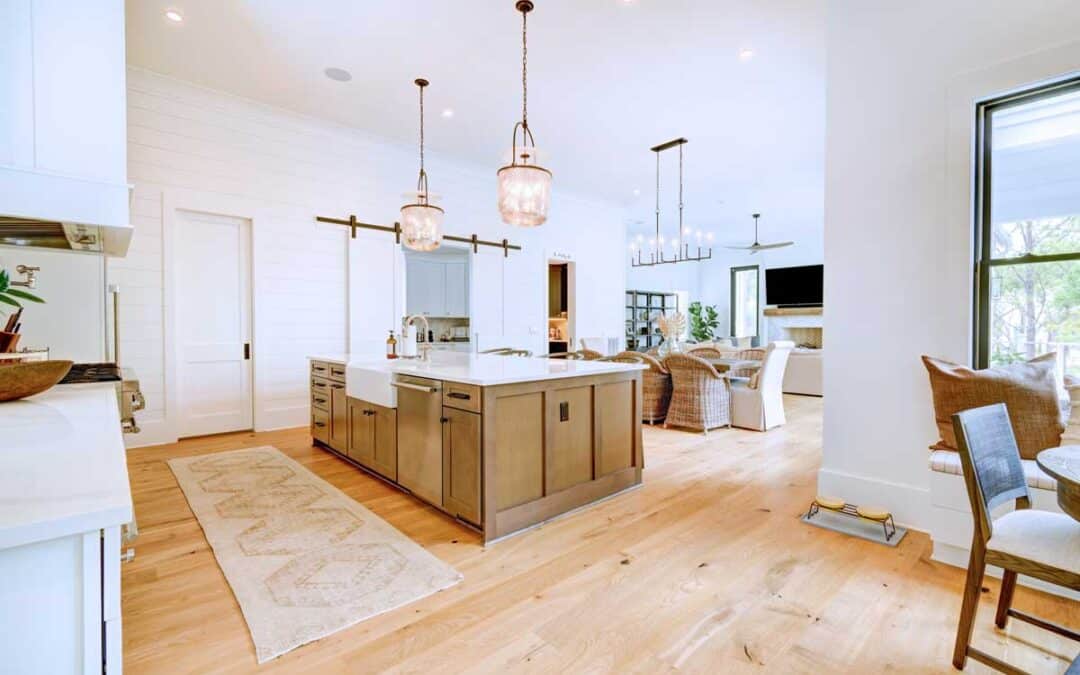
column 502, row 457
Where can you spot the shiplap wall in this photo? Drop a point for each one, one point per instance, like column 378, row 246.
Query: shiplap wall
column 183, row 139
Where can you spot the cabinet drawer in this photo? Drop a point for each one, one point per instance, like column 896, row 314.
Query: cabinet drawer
column 320, row 369
column 320, row 398
column 320, row 386
column 320, row 425
column 337, row 372
column 461, row 396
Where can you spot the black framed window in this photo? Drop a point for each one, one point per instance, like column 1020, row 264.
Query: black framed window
column 745, row 301
column 1027, row 240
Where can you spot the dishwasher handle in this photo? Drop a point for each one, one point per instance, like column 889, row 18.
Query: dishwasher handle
column 415, row 387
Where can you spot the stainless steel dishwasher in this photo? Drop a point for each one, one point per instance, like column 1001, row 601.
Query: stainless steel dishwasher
column 419, row 422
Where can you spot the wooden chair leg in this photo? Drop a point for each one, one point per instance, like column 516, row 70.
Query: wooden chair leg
column 972, row 589
column 1008, row 586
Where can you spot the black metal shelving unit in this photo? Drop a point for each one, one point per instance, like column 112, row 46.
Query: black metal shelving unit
column 642, row 310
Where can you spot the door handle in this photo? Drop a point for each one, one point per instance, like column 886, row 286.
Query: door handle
column 415, row 387
column 247, row 351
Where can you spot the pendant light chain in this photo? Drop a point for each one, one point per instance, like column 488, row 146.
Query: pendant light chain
column 423, row 174
column 524, row 70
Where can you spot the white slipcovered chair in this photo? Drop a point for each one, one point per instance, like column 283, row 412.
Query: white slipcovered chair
column 758, row 403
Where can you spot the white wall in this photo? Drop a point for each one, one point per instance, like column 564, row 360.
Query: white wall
column 188, row 145
column 902, row 84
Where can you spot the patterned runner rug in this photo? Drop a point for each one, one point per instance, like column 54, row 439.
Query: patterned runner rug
column 303, row 559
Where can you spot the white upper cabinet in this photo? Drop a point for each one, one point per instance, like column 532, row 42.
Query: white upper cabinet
column 457, row 290
column 436, row 288
column 63, row 121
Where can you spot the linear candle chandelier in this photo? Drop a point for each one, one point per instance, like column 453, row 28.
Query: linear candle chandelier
column 681, row 249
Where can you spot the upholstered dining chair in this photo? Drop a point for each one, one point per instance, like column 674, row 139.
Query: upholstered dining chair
column 1041, row 544
column 758, row 403
column 655, row 387
column 700, row 396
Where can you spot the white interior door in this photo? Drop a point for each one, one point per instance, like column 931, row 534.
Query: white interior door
column 212, row 258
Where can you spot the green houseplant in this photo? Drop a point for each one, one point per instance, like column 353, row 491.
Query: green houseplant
column 704, row 320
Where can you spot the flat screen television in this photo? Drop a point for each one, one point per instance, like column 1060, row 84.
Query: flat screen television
column 794, row 286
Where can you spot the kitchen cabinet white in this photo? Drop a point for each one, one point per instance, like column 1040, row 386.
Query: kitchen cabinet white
column 425, row 291
column 63, row 475
column 457, row 290
column 436, row 288
column 63, row 138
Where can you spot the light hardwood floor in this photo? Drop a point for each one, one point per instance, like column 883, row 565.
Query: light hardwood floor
column 705, row 569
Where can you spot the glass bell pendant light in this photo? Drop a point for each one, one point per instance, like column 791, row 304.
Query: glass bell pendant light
column 524, row 185
column 421, row 223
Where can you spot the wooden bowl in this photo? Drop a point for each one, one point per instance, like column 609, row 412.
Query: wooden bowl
column 19, row 380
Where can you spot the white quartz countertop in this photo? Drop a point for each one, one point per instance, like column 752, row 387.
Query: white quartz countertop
column 63, row 467
column 331, row 358
column 488, row 369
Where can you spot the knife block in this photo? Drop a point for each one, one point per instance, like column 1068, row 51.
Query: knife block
column 8, row 341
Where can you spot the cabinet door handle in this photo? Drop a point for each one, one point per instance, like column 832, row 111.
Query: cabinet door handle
column 460, row 395
column 444, row 420
column 320, row 400
column 321, row 385
column 337, row 386
column 320, row 424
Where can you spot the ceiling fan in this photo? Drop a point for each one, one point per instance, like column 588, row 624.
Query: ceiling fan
column 755, row 247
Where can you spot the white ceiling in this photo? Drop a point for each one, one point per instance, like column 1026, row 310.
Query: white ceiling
column 607, row 80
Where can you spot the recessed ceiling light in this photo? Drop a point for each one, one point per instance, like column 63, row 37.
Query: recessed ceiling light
column 174, row 15
column 448, row 113
column 745, row 54
column 338, row 74
column 637, row 192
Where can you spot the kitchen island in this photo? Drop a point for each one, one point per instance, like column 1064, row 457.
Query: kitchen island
column 501, row 443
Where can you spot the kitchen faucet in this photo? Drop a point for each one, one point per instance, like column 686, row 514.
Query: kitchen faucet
column 425, row 348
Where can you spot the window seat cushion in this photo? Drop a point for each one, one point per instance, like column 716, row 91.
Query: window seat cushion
column 948, row 461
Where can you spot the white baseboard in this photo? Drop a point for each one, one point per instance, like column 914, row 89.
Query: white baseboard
column 285, row 417
column 154, row 432
column 909, row 504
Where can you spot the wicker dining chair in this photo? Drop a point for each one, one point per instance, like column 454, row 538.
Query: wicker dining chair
column 706, row 352
column 700, row 397
column 589, row 354
column 655, row 387
column 498, row 350
column 755, row 354
column 566, row 356
column 1040, row 544
column 515, row 352
column 623, row 357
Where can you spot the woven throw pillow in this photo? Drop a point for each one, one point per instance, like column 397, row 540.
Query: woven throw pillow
column 1028, row 389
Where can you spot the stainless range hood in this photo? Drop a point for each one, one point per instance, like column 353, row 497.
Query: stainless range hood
column 108, row 240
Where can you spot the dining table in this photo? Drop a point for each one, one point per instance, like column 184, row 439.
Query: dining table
column 1063, row 465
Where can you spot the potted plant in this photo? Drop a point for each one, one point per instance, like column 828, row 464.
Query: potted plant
column 704, row 320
